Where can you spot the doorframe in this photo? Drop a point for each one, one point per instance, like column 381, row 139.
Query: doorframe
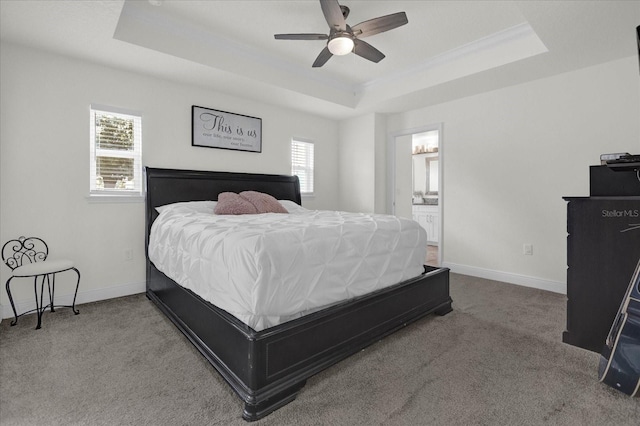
column 391, row 177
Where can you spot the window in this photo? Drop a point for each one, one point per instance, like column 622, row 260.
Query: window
column 302, row 164
column 116, row 152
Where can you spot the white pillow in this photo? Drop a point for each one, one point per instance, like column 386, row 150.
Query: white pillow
column 189, row 207
column 292, row 207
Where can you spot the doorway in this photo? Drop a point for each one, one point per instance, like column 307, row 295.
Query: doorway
column 416, row 165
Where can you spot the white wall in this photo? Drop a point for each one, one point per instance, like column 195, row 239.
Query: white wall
column 380, row 133
column 44, row 154
column 362, row 163
column 356, row 160
column 403, row 187
column 512, row 154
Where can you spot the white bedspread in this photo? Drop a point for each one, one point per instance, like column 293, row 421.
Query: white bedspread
column 269, row 268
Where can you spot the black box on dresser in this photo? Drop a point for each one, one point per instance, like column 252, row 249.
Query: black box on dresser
column 607, row 182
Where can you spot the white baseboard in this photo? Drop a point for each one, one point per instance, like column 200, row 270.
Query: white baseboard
column 85, row 296
column 507, row 277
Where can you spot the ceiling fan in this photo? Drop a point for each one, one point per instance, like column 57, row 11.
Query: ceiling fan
column 344, row 39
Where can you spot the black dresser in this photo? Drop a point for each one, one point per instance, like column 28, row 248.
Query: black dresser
column 603, row 249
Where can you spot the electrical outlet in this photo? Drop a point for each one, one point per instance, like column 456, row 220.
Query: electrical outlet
column 128, row 254
column 527, row 249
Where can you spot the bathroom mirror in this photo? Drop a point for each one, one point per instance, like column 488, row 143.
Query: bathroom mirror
column 425, row 178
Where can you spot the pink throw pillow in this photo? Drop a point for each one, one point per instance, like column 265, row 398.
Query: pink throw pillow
column 247, row 202
column 232, row 203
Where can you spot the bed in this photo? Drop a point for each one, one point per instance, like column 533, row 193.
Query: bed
column 268, row 367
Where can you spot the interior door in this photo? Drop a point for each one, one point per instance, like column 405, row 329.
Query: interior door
column 401, row 149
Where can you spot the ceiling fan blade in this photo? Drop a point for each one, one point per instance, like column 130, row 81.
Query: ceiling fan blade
column 379, row 25
column 301, row 36
column 322, row 58
column 367, row 51
column 333, row 14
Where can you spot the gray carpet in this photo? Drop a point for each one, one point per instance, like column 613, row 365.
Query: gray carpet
column 497, row 359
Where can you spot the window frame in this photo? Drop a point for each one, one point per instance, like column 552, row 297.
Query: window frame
column 135, row 194
column 309, row 167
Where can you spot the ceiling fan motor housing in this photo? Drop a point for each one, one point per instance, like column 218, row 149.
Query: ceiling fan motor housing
column 345, row 11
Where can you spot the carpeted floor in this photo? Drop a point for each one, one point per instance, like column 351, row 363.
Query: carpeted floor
column 497, row 359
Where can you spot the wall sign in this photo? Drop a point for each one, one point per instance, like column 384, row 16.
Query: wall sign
column 219, row 129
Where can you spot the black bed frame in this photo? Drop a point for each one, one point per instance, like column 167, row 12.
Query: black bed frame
column 268, row 368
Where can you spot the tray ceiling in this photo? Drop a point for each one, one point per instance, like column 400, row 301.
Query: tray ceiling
column 448, row 50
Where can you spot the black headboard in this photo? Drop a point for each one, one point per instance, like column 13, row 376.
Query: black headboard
column 166, row 186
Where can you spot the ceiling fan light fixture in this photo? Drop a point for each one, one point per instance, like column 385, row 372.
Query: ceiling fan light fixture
column 341, row 45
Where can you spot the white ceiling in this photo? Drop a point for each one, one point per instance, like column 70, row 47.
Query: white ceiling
column 448, row 50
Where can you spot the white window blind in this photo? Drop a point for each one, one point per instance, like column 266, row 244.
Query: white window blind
column 302, row 164
column 116, row 152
